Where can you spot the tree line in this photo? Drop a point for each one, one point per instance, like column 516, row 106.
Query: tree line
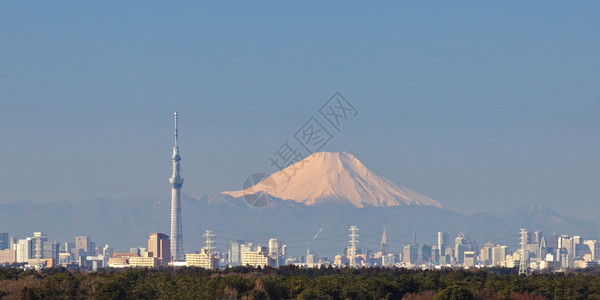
column 290, row 282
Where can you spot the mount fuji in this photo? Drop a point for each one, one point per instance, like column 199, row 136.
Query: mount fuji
column 335, row 178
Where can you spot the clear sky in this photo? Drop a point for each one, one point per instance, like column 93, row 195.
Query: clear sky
column 483, row 106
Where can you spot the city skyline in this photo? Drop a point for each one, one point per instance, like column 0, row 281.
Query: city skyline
column 542, row 252
column 481, row 106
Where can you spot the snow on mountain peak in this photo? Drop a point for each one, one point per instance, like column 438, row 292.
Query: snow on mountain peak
column 327, row 177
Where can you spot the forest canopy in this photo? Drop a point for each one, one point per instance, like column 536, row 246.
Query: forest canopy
column 291, row 282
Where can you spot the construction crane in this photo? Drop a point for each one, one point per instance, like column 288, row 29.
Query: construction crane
column 308, row 244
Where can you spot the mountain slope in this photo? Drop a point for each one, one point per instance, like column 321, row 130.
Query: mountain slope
column 325, row 178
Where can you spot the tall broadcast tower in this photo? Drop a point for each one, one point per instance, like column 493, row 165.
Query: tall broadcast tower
column 176, row 183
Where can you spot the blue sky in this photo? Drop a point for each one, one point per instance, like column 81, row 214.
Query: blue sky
column 482, row 106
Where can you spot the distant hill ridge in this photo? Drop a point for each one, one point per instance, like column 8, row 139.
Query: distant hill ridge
column 329, row 190
column 127, row 222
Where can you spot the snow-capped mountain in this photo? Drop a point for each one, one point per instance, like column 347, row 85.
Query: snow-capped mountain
column 326, row 177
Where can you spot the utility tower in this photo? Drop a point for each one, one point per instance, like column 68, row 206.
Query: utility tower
column 208, row 246
column 176, row 182
column 523, row 264
column 352, row 250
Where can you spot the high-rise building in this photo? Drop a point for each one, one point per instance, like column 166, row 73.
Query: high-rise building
column 176, row 182
column 485, row 255
column 235, row 252
column 592, row 246
column 24, row 248
column 552, row 241
column 84, row 243
column 42, row 250
column 159, row 246
column 411, row 254
column 50, row 250
column 577, row 243
column 498, row 255
column 537, row 237
column 352, row 249
column 435, row 254
column 4, row 242
column 570, row 244
column 424, row 254
column 273, row 247
column 459, row 248
column 470, row 259
column 39, row 241
column 383, row 247
column 542, row 249
column 443, row 240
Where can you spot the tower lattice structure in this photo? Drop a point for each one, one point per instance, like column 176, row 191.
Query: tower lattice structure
column 208, row 245
column 524, row 262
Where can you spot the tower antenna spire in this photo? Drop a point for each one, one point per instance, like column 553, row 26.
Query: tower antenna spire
column 176, row 129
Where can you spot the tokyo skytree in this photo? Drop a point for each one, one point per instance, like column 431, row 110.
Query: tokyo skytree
column 176, row 183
